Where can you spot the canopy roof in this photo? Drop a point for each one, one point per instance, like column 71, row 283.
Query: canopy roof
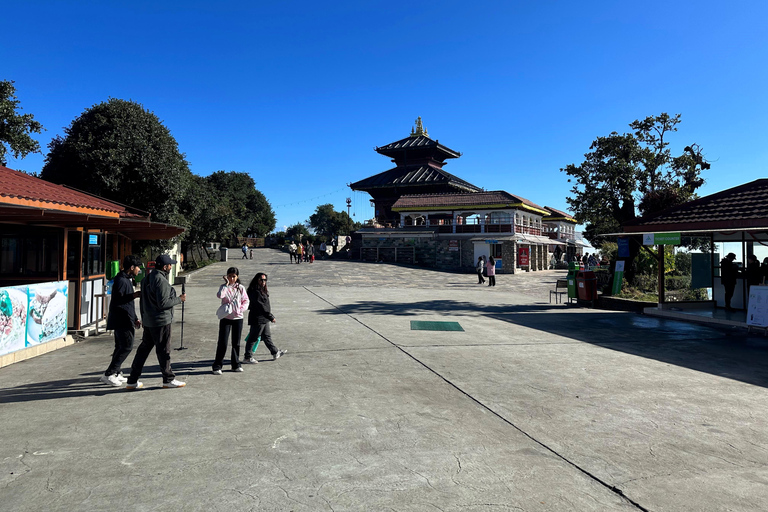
column 28, row 200
column 737, row 208
column 555, row 215
column 414, row 176
column 420, row 145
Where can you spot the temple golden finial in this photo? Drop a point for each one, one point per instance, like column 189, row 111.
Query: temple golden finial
column 419, row 130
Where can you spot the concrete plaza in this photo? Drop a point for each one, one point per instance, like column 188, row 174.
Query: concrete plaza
column 534, row 406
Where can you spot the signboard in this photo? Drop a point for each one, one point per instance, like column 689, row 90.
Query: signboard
column 93, row 239
column 618, row 277
column 491, row 241
column 757, row 310
column 661, row 239
column 33, row 314
column 522, row 256
column 623, row 243
column 453, row 245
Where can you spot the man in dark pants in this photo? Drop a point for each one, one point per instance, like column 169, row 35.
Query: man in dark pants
column 122, row 319
column 728, row 273
column 157, row 301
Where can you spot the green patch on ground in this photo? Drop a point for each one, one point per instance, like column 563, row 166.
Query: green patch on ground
column 418, row 325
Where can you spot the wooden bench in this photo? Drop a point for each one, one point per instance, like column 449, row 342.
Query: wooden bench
column 561, row 287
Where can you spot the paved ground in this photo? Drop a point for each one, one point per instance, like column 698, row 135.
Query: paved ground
column 533, row 407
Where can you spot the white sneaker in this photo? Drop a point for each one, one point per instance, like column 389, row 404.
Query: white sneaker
column 121, row 378
column 278, row 354
column 110, row 380
column 250, row 360
column 217, row 372
column 238, row 369
column 138, row 385
column 174, row 384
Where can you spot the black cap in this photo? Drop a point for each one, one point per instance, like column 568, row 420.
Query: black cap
column 163, row 260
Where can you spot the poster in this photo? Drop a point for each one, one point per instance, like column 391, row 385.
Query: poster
column 33, row 314
column 757, row 310
column 522, row 258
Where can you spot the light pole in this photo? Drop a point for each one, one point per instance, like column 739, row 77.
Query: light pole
column 349, row 219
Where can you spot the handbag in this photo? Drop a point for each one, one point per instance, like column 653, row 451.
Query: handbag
column 227, row 309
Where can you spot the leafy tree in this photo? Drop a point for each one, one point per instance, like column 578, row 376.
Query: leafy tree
column 296, row 231
column 206, row 213
column 252, row 213
column 15, row 128
column 327, row 222
column 628, row 174
column 121, row 151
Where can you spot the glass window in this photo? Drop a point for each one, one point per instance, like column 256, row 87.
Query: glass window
column 10, row 255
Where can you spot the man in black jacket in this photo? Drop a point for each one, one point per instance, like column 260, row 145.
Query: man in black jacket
column 729, row 271
column 122, row 319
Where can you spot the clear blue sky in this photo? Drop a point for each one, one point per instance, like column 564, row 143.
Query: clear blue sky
column 299, row 93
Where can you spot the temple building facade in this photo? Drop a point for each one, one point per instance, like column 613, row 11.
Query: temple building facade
column 427, row 216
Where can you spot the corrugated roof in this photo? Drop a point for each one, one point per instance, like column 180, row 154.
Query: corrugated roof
column 19, row 188
column 417, row 142
column 557, row 213
column 472, row 199
column 417, row 175
column 737, row 207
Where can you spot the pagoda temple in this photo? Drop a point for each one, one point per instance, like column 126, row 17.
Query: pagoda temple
column 419, row 162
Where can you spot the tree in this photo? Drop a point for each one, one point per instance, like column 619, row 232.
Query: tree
column 15, row 128
column 630, row 174
column 121, row 151
column 253, row 215
column 327, row 222
column 207, row 215
column 296, row 231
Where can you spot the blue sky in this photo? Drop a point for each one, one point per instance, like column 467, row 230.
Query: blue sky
column 299, row 93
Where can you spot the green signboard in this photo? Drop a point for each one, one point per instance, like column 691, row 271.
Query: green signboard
column 661, row 239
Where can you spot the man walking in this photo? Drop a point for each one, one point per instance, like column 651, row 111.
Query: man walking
column 122, row 319
column 157, row 301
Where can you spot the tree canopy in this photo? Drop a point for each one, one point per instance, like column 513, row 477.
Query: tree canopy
column 631, row 174
column 252, row 213
column 121, row 151
column 327, row 222
column 15, row 128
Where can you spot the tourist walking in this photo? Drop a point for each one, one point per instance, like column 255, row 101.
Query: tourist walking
column 259, row 317
column 323, row 250
column 122, row 319
column 299, row 253
column 491, row 271
column 292, row 250
column 245, row 252
column 311, row 251
column 158, row 299
column 234, row 302
column 479, row 269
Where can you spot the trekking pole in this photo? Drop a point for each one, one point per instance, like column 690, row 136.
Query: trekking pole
column 183, row 291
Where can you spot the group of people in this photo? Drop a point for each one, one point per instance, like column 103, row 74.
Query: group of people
column 235, row 301
column 490, row 270
column 305, row 251
column 755, row 273
column 246, row 252
column 157, row 300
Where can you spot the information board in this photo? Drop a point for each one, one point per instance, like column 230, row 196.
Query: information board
column 757, row 310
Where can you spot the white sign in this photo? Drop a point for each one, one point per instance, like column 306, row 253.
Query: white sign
column 757, row 311
column 648, row 239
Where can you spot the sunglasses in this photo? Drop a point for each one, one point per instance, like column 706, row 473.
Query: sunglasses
column 263, row 279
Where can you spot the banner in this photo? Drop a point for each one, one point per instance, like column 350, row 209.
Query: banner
column 618, row 278
column 522, row 256
column 33, row 314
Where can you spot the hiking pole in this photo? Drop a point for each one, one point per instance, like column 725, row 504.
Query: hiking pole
column 183, row 291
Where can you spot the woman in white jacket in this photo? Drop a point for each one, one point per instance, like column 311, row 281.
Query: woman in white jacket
column 234, row 300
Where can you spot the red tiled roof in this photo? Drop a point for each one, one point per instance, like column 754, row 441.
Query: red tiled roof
column 473, row 199
column 19, row 188
column 557, row 213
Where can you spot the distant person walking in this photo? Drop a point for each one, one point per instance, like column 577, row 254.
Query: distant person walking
column 323, row 250
column 122, row 319
column 245, row 252
column 491, row 270
column 259, row 317
column 157, row 301
column 292, row 251
column 728, row 274
column 299, row 253
column 234, row 299
column 479, row 268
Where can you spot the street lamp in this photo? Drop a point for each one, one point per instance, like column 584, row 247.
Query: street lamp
column 349, row 219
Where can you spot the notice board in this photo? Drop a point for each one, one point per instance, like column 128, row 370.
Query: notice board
column 757, row 309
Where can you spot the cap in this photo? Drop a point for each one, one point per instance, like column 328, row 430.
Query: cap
column 731, row 256
column 163, row 260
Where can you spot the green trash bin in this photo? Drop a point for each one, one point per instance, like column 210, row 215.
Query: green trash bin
column 113, row 268
column 573, row 292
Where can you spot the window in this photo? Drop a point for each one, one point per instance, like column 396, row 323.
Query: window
column 93, row 254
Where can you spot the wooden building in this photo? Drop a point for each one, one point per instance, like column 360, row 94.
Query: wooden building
column 51, row 232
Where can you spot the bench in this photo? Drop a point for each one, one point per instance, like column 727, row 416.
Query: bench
column 561, row 287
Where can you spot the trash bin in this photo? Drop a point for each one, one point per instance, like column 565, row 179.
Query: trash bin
column 223, row 253
column 586, row 282
column 113, row 268
column 573, row 268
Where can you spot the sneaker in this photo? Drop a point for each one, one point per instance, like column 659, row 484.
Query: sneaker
column 121, row 378
column 174, row 384
column 250, row 360
column 238, row 369
column 217, row 372
column 110, row 380
column 138, row 385
column 278, row 354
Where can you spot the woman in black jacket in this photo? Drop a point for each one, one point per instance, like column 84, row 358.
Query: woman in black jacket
column 259, row 318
